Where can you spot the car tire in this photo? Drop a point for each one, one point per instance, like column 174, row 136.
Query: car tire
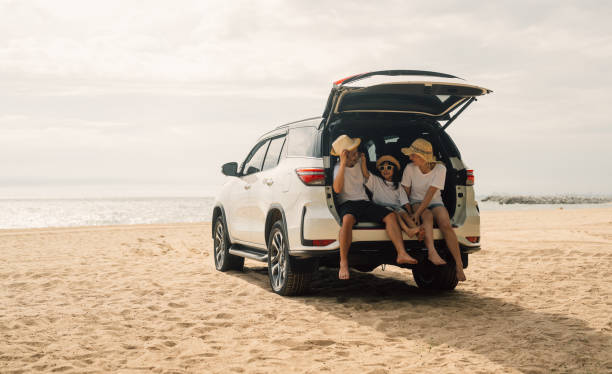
column 224, row 261
column 431, row 277
column 287, row 277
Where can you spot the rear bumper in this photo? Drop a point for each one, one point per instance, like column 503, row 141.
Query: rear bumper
column 370, row 247
column 369, row 255
column 375, row 236
column 317, row 223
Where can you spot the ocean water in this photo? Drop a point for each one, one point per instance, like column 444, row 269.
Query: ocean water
column 35, row 213
column 66, row 212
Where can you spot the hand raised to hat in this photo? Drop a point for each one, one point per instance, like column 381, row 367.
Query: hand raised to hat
column 344, row 157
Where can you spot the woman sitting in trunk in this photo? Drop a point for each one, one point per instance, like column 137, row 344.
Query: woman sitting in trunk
column 386, row 191
column 423, row 179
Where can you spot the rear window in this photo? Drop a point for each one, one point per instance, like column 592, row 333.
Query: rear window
column 304, row 141
column 450, row 145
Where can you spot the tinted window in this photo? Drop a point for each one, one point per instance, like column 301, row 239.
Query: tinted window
column 304, row 141
column 274, row 151
column 254, row 162
column 449, row 145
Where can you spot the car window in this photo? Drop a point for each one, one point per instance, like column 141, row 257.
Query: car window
column 304, row 141
column 449, row 145
column 255, row 160
column 283, row 152
column 274, row 152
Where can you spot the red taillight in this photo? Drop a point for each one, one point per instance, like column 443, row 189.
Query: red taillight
column 473, row 239
column 312, row 176
column 470, row 178
column 322, row 243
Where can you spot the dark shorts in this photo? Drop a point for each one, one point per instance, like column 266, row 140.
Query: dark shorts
column 364, row 210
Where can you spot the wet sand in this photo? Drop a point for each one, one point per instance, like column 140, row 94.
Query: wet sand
column 146, row 298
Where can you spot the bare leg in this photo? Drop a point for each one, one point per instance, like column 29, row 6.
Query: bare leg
column 395, row 234
column 409, row 230
column 432, row 254
column 405, row 217
column 346, row 238
column 441, row 215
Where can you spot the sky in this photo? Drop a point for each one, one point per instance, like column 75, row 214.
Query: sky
column 149, row 98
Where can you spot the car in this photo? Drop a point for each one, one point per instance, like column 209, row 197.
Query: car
column 278, row 206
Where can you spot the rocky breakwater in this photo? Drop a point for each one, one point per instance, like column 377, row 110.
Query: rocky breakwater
column 519, row 199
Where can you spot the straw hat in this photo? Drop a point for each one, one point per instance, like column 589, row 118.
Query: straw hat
column 420, row 147
column 387, row 158
column 344, row 142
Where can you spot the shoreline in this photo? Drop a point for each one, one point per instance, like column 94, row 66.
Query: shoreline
column 503, row 208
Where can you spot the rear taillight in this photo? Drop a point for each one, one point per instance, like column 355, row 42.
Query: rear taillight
column 470, row 178
column 473, row 239
column 312, row 176
column 322, row 243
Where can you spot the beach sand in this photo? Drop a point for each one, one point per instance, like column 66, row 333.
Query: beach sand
column 147, row 298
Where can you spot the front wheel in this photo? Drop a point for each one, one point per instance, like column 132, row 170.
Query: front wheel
column 286, row 277
column 224, row 261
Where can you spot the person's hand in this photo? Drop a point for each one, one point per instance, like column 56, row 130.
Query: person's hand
column 416, row 218
column 344, row 157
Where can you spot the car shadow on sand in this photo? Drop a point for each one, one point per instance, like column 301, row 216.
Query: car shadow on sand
column 504, row 332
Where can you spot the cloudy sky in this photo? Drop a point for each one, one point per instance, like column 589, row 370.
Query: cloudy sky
column 153, row 96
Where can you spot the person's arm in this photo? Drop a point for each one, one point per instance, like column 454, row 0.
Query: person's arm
column 364, row 168
column 407, row 206
column 339, row 178
column 425, row 203
column 406, row 184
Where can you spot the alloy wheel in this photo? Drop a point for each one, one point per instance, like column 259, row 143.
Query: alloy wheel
column 278, row 261
column 219, row 245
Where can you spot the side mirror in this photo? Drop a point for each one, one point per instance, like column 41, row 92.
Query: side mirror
column 230, row 169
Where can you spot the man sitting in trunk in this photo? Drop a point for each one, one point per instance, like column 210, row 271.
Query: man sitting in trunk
column 355, row 205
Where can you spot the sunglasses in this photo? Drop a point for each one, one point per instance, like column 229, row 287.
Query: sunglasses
column 385, row 167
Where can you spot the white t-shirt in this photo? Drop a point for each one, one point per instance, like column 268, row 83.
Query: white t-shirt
column 353, row 183
column 419, row 183
column 384, row 194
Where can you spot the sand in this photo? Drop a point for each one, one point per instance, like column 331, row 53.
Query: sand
column 146, row 298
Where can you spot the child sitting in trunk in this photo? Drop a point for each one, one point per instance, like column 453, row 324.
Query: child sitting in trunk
column 423, row 179
column 386, row 191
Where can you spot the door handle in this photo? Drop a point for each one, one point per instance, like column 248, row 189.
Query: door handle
column 268, row 181
column 247, row 186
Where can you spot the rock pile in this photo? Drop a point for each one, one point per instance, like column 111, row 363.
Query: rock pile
column 547, row 199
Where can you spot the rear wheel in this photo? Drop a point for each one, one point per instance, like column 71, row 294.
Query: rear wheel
column 224, row 261
column 432, row 277
column 287, row 276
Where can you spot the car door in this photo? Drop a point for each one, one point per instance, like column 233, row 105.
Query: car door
column 242, row 207
column 267, row 189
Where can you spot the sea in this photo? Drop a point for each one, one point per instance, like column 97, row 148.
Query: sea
column 20, row 213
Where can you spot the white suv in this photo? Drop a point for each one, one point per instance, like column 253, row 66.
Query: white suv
column 278, row 205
